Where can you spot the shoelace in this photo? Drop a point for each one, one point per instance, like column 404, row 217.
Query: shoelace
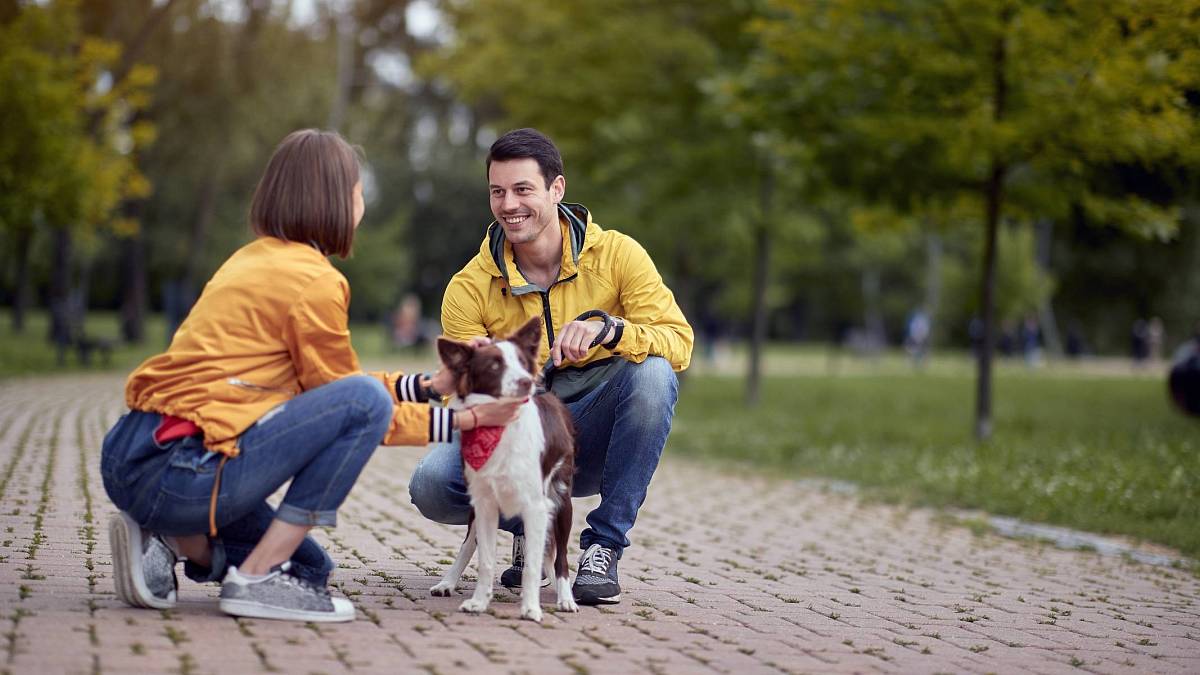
column 293, row 580
column 596, row 560
column 518, row 552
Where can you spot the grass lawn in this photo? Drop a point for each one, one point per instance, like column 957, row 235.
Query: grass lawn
column 29, row 353
column 1103, row 454
column 1091, row 447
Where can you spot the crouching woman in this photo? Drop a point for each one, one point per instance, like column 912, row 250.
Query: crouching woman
column 260, row 386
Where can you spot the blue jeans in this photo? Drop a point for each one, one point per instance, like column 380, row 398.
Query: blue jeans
column 621, row 427
column 320, row 440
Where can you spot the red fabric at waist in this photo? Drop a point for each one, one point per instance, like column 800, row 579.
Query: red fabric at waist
column 171, row 428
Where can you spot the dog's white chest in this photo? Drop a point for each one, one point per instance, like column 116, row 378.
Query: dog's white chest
column 512, row 476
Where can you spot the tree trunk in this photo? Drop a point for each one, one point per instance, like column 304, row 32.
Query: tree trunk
column 206, row 211
column 133, row 289
column 180, row 293
column 60, row 292
column 993, row 199
column 983, row 392
column 343, row 24
column 22, row 292
column 762, row 261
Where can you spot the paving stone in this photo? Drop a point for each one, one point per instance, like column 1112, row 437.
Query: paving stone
column 760, row 576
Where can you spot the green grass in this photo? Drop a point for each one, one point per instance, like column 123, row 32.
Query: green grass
column 1089, row 446
column 1103, row 454
column 29, row 353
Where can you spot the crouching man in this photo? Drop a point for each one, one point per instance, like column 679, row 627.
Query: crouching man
column 614, row 339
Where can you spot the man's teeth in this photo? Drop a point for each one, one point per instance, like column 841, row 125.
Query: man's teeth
column 515, row 219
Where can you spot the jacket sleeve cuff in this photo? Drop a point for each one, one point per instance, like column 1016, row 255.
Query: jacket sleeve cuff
column 409, row 389
column 441, row 425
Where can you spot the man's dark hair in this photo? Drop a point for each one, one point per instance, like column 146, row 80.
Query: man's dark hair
column 306, row 193
column 528, row 143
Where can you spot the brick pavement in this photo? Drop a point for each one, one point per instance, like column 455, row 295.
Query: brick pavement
column 729, row 573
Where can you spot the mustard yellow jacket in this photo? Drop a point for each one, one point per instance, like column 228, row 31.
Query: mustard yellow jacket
column 270, row 324
column 601, row 269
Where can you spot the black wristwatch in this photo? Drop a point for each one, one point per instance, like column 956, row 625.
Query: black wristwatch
column 618, row 331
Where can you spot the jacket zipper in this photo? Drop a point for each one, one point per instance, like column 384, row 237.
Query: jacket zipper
column 239, row 382
column 548, row 318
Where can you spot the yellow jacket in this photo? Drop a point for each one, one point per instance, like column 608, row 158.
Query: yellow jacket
column 601, row 269
column 270, row 324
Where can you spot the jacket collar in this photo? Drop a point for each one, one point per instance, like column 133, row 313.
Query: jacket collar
column 496, row 254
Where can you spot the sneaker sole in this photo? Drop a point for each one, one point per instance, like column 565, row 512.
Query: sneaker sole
column 124, row 536
column 255, row 610
column 545, row 584
column 611, row 600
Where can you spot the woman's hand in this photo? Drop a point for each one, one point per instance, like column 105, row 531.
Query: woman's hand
column 498, row 413
column 442, row 382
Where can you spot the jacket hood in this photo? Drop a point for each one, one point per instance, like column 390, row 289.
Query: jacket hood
column 579, row 232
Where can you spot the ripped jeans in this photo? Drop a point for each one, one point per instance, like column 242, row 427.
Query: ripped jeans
column 320, row 441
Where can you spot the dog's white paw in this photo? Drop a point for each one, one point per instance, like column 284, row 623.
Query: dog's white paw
column 473, row 606
column 568, row 604
column 533, row 613
column 443, row 588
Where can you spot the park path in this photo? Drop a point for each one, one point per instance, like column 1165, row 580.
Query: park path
column 729, row 573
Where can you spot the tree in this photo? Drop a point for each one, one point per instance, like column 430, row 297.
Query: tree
column 66, row 160
column 625, row 89
column 1013, row 105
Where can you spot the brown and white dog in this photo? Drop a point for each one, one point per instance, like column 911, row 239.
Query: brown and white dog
column 524, row 469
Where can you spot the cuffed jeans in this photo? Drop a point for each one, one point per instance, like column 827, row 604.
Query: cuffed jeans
column 621, row 427
column 320, row 440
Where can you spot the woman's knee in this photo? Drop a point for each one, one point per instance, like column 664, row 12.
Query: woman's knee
column 374, row 401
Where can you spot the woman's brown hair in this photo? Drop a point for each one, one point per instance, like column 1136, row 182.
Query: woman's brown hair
column 306, row 194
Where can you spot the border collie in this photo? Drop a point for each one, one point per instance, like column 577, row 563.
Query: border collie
column 524, row 469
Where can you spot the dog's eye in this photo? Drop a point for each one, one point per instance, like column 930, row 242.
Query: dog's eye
column 495, row 367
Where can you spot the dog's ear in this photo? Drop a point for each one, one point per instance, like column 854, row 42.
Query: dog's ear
column 528, row 336
column 454, row 355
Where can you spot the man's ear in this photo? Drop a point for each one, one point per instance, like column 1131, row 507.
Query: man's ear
column 558, row 188
column 454, row 355
column 527, row 336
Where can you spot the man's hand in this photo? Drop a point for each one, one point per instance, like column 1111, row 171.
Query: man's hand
column 574, row 340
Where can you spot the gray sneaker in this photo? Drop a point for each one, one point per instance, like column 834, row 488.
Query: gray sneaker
column 143, row 564
column 281, row 595
column 511, row 577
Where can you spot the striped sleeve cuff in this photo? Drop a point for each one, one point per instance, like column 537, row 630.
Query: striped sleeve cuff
column 441, row 425
column 409, row 389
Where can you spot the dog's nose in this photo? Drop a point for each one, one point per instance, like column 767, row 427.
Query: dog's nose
column 524, row 385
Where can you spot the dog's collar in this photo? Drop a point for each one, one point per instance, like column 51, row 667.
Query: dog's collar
column 478, row 444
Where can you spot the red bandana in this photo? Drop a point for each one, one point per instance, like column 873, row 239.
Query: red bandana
column 479, row 443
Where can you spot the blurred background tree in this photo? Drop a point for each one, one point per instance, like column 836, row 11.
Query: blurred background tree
column 1023, row 108
column 800, row 170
